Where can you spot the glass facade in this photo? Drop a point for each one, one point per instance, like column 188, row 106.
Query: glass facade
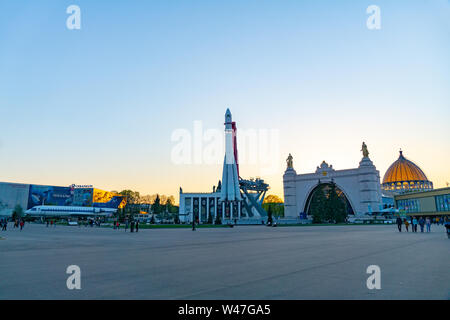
column 219, row 207
column 409, row 205
column 203, row 210
column 187, row 205
column 212, row 206
column 235, row 210
column 443, row 202
column 227, row 210
column 196, row 209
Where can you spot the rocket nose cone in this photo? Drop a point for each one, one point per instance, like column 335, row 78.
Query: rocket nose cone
column 228, row 116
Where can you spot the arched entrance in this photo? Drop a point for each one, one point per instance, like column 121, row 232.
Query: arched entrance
column 324, row 187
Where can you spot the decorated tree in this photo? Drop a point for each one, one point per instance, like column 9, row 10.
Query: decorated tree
column 318, row 206
column 336, row 211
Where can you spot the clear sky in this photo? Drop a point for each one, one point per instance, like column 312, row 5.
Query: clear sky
column 99, row 105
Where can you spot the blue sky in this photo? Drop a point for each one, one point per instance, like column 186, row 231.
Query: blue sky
column 98, row 105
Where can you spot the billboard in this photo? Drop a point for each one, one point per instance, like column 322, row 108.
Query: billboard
column 101, row 196
column 82, row 197
column 114, row 203
column 49, row 195
column 31, row 195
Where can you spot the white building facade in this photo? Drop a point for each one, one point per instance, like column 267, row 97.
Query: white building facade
column 206, row 206
column 361, row 187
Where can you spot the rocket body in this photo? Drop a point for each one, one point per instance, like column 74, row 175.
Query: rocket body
column 230, row 177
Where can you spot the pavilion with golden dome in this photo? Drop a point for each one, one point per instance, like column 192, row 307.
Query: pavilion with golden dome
column 405, row 176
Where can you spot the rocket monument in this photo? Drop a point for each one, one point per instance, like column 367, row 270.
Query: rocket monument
column 230, row 175
column 235, row 199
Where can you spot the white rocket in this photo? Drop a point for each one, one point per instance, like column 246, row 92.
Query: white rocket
column 230, row 177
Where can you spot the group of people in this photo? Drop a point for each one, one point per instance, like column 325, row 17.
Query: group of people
column 20, row 223
column 89, row 222
column 134, row 225
column 51, row 223
column 4, row 224
column 422, row 222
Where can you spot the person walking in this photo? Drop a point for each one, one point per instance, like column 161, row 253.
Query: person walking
column 126, row 225
column 22, row 223
column 428, row 224
column 4, row 224
column 406, row 224
column 446, row 223
column 421, row 223
column 399, row 224
column 414, row 224
column 132, row 226
column 137, row 226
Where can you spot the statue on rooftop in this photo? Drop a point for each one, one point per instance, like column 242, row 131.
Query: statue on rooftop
column 364, row 150
column 290, row 164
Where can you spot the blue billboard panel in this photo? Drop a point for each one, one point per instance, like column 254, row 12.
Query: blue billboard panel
column 49, row 195
column 112, row 204
column 83, row 197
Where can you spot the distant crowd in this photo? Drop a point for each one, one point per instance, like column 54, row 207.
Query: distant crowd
column 423, row 222
column 89, row 222
column 18, row 223
column 133, row 225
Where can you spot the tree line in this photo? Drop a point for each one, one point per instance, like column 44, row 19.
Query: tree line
column 134, row 197
column 274, row 206
column 160, row 205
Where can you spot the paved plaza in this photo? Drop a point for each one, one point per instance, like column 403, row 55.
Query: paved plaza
column 245, row 262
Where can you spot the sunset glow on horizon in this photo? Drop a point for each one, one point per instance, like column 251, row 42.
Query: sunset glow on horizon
column 99, row 105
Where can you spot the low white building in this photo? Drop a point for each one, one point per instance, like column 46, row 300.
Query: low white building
column 206, row 207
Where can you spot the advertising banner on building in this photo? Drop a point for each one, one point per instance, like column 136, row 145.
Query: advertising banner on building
column 50, row 195
column 101, row 196
column 83, row 197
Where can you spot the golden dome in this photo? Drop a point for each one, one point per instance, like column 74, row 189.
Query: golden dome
column 404, row 174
